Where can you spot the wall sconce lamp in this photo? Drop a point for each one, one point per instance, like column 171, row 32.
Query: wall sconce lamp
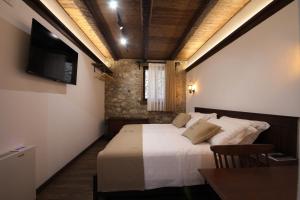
column 191, row 89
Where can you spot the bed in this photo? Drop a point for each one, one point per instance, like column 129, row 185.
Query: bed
column 145, row 164
column 149, row 156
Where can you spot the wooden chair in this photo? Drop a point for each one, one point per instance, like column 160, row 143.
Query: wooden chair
column 242, row 156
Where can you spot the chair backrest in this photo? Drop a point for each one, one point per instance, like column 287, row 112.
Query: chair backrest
column 241, row 156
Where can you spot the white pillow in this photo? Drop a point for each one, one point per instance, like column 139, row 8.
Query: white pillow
column 232, row 133
column 195, row 116
column 259, row 125
column 249, row 139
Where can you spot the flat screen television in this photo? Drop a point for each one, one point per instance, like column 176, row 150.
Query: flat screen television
column 50, row 57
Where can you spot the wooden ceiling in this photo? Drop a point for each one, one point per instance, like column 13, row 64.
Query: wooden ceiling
column 155, row 29
column 169, row 21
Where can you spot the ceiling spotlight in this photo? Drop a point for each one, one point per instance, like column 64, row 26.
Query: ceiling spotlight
column 113, row 4
column 53, row 35
column 123, row 41
column 121, row 27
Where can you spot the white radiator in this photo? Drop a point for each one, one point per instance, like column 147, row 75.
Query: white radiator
column 17, row 175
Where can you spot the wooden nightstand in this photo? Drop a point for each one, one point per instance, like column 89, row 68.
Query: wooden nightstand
column 283, row 163
column 115, row 124
column 274, row 163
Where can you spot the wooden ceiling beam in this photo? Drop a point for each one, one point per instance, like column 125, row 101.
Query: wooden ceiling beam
column 146, row 13
column 103, row 27
column 194, row 23
column 262, row 15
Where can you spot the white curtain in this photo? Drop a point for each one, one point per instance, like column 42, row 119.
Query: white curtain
column 157, row 90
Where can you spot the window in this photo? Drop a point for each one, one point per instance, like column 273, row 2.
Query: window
column 154, row 87
column 146, row 84
column 159, row 86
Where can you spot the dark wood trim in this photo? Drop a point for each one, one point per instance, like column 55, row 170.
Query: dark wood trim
column 146, row 13
column 283, row 133
column 47, row 182
column 264, row 14
column 102, row 68
column 95, row 188
column 115, row 124
column 154, row 61
column 196, row 20
column 103, row 27
column 44, row 12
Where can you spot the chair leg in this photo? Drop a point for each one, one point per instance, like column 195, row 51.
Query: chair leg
column 95, row 192
column 209, row 192
column 212, row 194
column 187, row 193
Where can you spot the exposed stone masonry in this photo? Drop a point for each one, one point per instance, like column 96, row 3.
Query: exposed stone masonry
column 123, row 93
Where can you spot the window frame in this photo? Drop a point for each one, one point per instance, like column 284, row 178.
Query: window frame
column 145, row 68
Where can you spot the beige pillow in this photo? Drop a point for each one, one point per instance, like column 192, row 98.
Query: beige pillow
column 201, row 131
column 181, row 119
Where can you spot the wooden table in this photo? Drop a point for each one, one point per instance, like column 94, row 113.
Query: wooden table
column 276, row 183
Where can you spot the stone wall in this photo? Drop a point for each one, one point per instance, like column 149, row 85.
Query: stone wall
column 123, row 93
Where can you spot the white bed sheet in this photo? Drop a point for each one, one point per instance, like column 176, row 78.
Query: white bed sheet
column 170, row 159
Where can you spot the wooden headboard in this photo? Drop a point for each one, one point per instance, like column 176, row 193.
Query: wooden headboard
column 282, row 133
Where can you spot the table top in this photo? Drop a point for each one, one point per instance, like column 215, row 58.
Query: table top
column 276, row 183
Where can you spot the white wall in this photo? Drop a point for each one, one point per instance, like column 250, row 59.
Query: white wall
column 60, row 120
column 259, row 72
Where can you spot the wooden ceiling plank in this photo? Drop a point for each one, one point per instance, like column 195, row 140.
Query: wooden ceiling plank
column 196, row 20
column 259, row 17
column 103, row 27
column 146, row 13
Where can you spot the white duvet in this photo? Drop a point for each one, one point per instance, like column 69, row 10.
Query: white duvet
column 170, row 159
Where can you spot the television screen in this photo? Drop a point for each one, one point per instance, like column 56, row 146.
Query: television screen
column 50, row 57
